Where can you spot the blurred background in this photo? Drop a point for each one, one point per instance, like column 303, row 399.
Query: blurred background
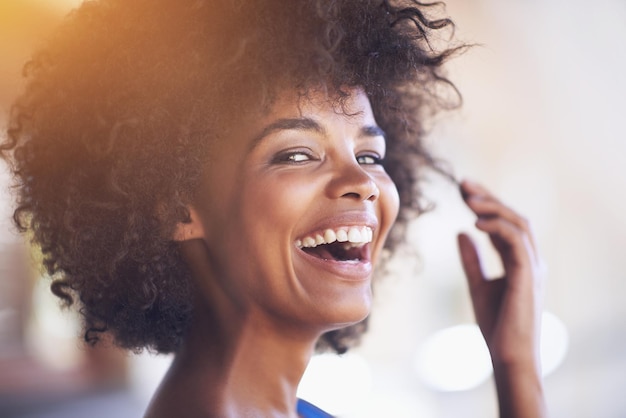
column 542, row 125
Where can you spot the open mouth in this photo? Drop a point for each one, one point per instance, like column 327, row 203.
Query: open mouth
column 338, row 251
column 347, row 244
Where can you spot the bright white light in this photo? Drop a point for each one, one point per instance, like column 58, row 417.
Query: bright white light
column 554, row 342
column 396, row 403
column 454, row 359
column 146, row 372
column 51, row 334
column 336, row 383
column 457, row 358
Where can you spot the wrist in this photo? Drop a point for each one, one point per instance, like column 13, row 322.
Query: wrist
column 520, row 390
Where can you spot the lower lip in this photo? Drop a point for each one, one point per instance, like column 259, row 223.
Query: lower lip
column 347, row 270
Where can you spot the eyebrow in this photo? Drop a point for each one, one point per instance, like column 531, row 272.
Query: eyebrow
column 372, row 131
column 308, row 124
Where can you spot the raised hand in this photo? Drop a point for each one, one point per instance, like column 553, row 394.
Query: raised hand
column 508, row 309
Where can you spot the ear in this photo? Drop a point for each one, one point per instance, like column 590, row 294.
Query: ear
column 193, row 229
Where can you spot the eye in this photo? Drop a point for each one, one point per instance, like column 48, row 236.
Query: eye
column 369, row 159
column 293, row 157
column 297, row 157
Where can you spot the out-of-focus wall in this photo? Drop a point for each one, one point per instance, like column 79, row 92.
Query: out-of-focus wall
column 542, row 125
column 44, row 369
column 546, row 97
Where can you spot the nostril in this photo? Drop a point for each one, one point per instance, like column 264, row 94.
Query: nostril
column 366, row 190
column 353, row 182
column 352, row 195
column 375, row 192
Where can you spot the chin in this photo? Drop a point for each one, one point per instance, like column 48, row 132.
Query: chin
column 348, row 309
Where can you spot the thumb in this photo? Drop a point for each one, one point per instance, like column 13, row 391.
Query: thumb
column 470, row 260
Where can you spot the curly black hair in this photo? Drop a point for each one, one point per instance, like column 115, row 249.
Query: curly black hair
column 108, row 140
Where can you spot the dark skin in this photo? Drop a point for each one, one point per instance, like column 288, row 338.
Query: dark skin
column 282, row 178
column 507, row 309
column 264, row 297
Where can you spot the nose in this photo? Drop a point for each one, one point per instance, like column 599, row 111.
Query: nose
column 353, row 182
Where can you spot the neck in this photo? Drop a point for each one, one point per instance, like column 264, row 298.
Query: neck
column 247, row 366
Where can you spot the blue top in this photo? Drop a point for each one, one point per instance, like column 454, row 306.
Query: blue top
column 307, row 410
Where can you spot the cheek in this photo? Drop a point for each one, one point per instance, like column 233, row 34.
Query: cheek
column 389, row 202
column 280, row 199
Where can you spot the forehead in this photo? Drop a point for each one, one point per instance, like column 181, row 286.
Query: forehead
column 316, row 109
column 351, row 103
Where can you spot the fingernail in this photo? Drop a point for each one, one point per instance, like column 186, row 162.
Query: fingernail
column 468, row 182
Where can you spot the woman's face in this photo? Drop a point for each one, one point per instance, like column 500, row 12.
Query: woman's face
column 295, row 208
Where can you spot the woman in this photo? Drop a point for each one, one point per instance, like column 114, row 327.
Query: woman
column 218, row 180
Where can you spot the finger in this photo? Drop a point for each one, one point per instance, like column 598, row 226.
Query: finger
column 470, row 188
column 470, row 260
column 486, row 208
column 476, row 195
column 512, row 244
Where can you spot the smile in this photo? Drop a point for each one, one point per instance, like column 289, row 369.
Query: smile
column 339, row 244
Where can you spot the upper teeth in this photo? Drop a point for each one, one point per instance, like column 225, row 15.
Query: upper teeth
column 354, row 235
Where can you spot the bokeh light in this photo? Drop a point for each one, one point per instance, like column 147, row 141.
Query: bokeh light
column 454, row 359
column 457, row 358
column 554, row 343
column 336, row 383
